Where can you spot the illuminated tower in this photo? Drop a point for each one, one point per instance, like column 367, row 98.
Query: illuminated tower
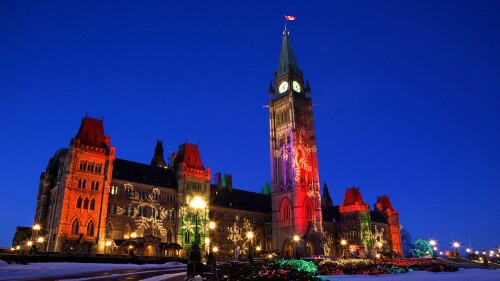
column 76, row 214
column 294, row 162
column 384, row 207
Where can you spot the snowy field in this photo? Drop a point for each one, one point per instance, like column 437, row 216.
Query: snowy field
column 461, row 275
column 36, row 270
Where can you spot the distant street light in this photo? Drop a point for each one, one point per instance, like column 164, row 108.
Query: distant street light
column 456, row 245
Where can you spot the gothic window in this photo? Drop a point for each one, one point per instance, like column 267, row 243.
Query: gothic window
column 173, row 215
column 79, row 202
column 113, row 208
column 286, row 210
column 125, row 210
column 86, row 203
column 79, row 183
column 109, row 230
column 145, row 212
column 92, row 185
column 167, row 216
column 84, row 183
column 96, row 185
column 131, row 211
column 75, row 227
column 92, row 204
column 90, row 228
column 187, row 236
column 153, row 212
column 113, row 190
column 169, row 235
column 308, row 209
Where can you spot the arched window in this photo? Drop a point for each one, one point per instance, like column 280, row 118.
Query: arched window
column 92, row 185
column 86, row 203
column 309, row 209
column 90, row 228
column 113, row 208
column 84, row 183
column 187, row 236
column 79, row 202
column 131, row 211
column 167, row 216
column 172, row 217
column 75, row 227
column 286, row 210
column 96, row 186
column 125, row 209
column 145, row 212
column 153, row 212
column 109, row 230
column 92, row 204
column 139, row 211
column 79, row 183
column 169, row 235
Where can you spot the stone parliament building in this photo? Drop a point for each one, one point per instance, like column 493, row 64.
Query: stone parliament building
column 89, row 201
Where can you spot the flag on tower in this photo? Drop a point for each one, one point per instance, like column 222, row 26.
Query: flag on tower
column 289, row 17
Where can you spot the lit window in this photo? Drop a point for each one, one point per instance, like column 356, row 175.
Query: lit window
column 75, row 227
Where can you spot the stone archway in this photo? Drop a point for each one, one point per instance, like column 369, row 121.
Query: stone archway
column 287, row 249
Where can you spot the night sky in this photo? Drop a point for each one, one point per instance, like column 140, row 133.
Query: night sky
column 407, row 94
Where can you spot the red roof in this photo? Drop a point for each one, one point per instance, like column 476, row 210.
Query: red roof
column 189, row 154
column 352, row 196
column 385, row 202
column 91, row 132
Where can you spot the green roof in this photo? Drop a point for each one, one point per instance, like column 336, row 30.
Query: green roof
column 287, row 56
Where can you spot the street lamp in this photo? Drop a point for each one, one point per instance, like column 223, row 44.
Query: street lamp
column 107, row 244
column 250, row 256
column 456, row 245
column 433, row 244
column 296, row 239
column 343, row 242
column 194, row 266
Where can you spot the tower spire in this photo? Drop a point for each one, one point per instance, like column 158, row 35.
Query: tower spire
column 288, row 61
column 158, row 159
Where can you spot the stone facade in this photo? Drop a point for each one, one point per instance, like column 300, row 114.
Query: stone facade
column 92, row 202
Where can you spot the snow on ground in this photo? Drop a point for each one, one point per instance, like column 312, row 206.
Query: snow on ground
column 35, row 270
column 461, row 275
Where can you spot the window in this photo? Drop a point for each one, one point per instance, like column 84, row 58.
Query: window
column 86, row 203
column 96, row 186
column 139, row 211
column 75, row 227
column 90, row 228
column 145, row 212
column 92, row 185
column 187, row 236
column 79, row 203
column 84, row 183
column 286, row 210
column 113, row 208
column 79, row 183
column 169, row 235
column 125, row 210
column 131, row 211
column 92, row 204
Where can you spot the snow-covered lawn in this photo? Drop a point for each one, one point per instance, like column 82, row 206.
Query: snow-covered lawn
column 461, row 275
column 35, row 270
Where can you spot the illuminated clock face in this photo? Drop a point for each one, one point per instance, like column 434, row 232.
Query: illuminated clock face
column 296, row 86
column 283, row 87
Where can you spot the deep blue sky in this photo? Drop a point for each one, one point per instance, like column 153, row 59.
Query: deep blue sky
column 407, row 92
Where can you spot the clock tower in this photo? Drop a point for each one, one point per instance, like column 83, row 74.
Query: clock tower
column 296, row 206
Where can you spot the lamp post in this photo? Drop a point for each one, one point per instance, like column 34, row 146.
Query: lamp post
column 456, row 245
column 250, row 256
column 194, row 266
column 296, row 239
column 433, row 244
column 106, row 245
column 343, row 242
